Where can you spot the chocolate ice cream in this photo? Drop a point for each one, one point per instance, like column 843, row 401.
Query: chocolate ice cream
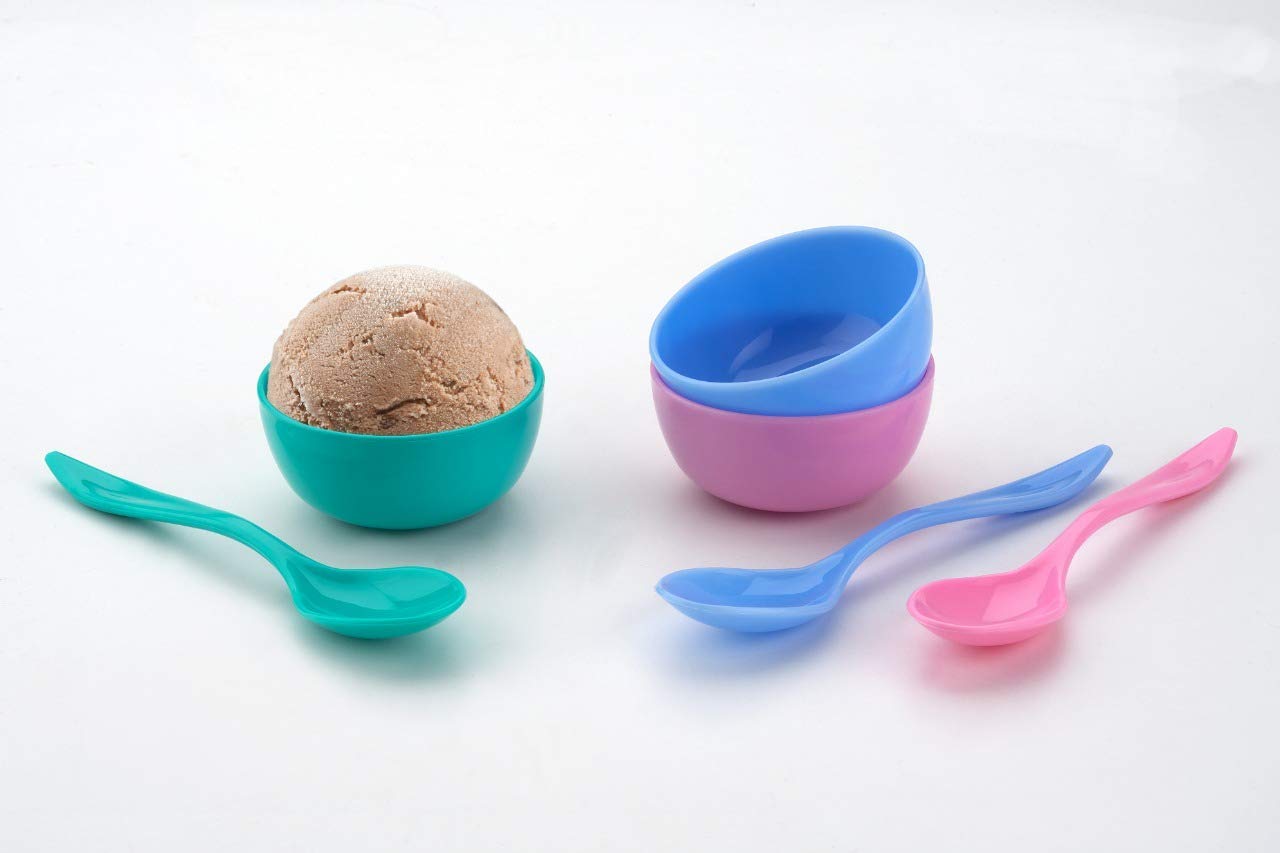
column 396, row 351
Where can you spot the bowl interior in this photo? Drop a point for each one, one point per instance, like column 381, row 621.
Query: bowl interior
column 786, row 304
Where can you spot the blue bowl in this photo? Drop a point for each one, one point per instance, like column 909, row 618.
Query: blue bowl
column 812, row 323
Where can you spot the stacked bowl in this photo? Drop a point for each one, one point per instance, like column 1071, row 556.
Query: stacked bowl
column 796, row 374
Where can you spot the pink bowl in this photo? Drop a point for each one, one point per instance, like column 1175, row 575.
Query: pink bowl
column 793, row 464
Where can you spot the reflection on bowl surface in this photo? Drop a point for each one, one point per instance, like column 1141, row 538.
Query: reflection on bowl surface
column 786, row 345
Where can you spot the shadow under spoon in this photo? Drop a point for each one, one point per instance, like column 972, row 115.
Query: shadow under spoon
column 759, row 600
column 366, row 603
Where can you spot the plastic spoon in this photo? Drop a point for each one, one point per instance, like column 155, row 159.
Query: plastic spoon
column 368, row 603
column 758, row 600
column 996, row 609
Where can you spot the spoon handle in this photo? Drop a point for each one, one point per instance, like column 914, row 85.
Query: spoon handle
column 1188, row 473
column 108, row 493
column 1047, row 488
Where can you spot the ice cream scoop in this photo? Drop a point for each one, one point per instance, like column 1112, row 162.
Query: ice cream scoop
column 399, row 350
column 365, row 603
column 992, row 610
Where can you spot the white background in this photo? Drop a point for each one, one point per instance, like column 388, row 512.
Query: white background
column 1093, row 187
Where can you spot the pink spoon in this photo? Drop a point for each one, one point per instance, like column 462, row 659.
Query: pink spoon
column 993, row 610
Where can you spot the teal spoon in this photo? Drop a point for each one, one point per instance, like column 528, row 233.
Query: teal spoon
column 366, row 603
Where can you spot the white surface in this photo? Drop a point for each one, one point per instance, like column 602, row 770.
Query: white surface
column 1093, row 187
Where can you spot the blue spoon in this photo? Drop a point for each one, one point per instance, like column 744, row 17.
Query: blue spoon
column 758, row 600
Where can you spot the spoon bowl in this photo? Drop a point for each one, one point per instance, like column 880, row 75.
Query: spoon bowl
column 376, row 603
column 750, row 600
column 365, row 603
column 1011, row 606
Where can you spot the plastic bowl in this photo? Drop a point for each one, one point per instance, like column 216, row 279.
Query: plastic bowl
column 404, row 481
column 796, row 463
column 812, row 323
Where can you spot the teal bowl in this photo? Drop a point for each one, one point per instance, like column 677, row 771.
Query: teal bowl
column 404, row 482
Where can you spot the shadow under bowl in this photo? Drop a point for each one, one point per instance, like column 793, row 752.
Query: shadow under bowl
column 793, row 464
column 818, row 322
column 403, row 482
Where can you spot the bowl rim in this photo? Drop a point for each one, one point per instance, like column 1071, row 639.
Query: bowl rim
column 534, row 393
column 794, row 236
column 926, row 381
